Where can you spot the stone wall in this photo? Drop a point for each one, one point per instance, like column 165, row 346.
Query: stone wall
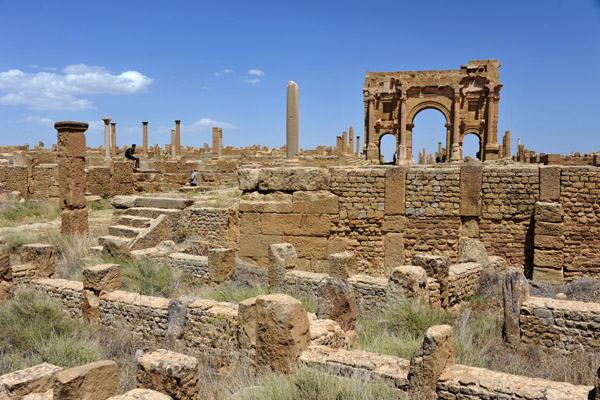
column 67, row 293
column 432, row 208
column 196, row 266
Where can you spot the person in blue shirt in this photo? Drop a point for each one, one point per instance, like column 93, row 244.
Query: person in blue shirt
column 194, row 179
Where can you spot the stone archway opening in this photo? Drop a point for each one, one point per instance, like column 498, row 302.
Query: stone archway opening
column 427, row 133
column 471, row 146
column 387, row 148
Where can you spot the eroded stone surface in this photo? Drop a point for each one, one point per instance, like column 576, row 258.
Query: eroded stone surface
column 169, row 372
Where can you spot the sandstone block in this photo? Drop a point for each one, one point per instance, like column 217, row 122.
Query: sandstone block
column 550, row 183
column 90, row 306
column 317, row 202
column 395, row 188
column 74, row 222
column 433, row 355
column 548, row 212
column 436, row 267
column 282, row 331
column 247, row 324
column 326, row 332
column 310, row 247
column 71, row 144
column 221, row 264
column 93, row 381
column 5, row 267
column 469, row 227
column 548, row 258
column 41, row 256
column 48, row 395
column 343, row 265
column 177, row 315
column 393, row 223
column 39, row 378
column 250, row 223
column 282, row 256
column 257, row 246
column 123, row 202
column 548, row 228
column 102, row 277
column 515, row 291
column 336, row 245
column 393, row 250
column 407, row 281
column 142, row 394
column 474, row 251
column 248, row 179
column 292, row 179
column 72, row 182
column 169, row 372
column 548, row 274
column 6, row 290
column 549, row 242
column 336, row 301
column 470, row 190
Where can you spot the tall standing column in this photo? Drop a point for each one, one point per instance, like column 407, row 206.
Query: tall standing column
column 216, row 142
column 173, row 144
column 506, row 143
column 113, row 138
column 402, row 146
column 106, row 140
column 455, row 129
column 358, row 147
column 292, row 129
column 145, row 144
column 344, row 148
column 351, row 141
column 177, row 138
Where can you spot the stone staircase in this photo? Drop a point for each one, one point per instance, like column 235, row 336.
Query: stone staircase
column 143, row 222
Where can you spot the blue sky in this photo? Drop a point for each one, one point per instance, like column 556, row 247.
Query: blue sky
column 228, row 63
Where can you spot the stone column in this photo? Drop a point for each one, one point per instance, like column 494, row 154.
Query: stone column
column 145, row 144
column 173, row 144
column 506, row 144
column 106, row 140
column 71, row 175
column 216, row 142
column 402, row 156
column 338, row 145
column 515, row 291
column 344, row 148
column 351, row 143
column 456, row 150
column 113, row 139
column 357, row 146
column 369, row 140
column 292, row 129
column 177, row 138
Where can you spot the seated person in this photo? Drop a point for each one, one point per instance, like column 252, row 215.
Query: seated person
column 129, row 154
column 194, row 179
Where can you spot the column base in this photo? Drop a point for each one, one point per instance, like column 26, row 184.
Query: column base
column 455, row 153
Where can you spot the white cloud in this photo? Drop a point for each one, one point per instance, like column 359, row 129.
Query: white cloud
column 53, row 91
column 253, row 82
column 204, row 124
column 225, row 71
column 256, row 72
column 46, row 122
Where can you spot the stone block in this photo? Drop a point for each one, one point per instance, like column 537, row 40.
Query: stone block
column 433, row 355
column 142, row 394
column 282, row 331
column 393, row 250
column 41, row 256
column 343, row 265
column 250, row 223
column 74, row 222
column 473, row 250
column 407, row 281
column 436, row 267
column 247, row 324
column 72, row 182
column 395, row 189
column 39, row 378
column 469, row 227
column 93, row 381
column 549, row 242
column 48, row 395
column 515, row 291
column 548, row 212
column 221, row 264
column 548, row 258
column 393, row 223
column 336, row 245
column 310, row 247
column 317, row 202
column 169, row 372
column 282, row 257
column 6, row 290
column 123, row 202
column 550, row 183
column 5, row 267
column 177, row 315
column 102, row 277
column 470, row 190
column 257, row 246
column 336, row 301
column 293, row 179
column 548, row 228
column 548, row 274
column 71, row 144
column 90, row 306
column 248, row 179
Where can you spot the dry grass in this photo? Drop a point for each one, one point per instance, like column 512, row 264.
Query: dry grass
column 15, row 213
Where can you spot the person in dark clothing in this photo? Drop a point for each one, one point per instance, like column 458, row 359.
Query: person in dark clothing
column 129, row 154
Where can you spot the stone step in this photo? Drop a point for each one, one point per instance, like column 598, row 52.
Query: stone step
column 124, row 231
column 161, row 202
column 119, row 241
column 133, row 221
column 150, row 212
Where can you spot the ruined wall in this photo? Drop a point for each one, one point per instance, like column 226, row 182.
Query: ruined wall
column 322, row 211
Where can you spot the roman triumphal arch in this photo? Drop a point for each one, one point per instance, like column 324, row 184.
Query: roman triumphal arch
column 468, row 98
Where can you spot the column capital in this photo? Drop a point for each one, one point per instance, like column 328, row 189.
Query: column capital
column 177, row 121
column 113, row 123
column 71, row 126
column 145, row 122
column 106, row 120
